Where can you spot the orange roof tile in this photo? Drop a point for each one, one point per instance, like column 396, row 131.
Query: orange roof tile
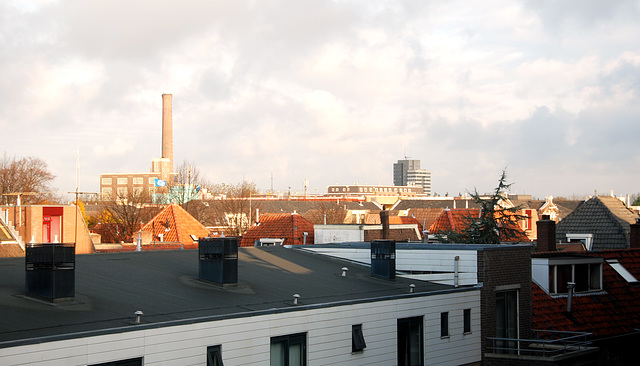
column 176, row 225
column 457, row 220
column 290, row 227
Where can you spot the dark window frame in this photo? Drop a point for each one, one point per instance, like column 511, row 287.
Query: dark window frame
column 466, row 316
column 358, row 343
column 292, row 340
column 214, row 356
column 136, row 361
column 408, row 352
column 444, row 324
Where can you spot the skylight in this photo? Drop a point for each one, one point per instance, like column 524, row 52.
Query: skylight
column 621, row 270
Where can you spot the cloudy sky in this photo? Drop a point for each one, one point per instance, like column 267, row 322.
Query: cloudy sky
column 329, row 91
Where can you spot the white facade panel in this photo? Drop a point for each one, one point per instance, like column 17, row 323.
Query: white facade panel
column 247, row 340
column 417, row 260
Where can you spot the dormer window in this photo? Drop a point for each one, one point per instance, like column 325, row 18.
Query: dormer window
column 586, row 239
column 585, row 273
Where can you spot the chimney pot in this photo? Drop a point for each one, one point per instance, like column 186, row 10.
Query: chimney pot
column 546, row 235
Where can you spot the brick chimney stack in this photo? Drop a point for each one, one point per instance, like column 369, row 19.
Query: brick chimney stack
column 384, row 220
column 167, row 129
column 634, row 234
column 546, row 235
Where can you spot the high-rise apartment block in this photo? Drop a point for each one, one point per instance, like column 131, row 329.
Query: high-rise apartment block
column 408, row 173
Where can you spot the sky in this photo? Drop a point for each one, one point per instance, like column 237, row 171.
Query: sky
column 334, row 92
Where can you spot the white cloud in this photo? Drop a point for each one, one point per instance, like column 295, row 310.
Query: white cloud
column 329, row 91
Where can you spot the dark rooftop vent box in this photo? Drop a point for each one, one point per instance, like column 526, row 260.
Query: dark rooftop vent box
column 383, row 259
column 218, row 260
column 50, row 271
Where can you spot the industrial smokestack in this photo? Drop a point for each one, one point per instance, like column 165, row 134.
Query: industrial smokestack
column 167, row 129
column 384, row 220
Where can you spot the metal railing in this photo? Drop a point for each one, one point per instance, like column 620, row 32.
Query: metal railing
column 545, row 343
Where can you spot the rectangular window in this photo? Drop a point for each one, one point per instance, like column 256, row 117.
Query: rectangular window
column 444, row 324
column 619, row 268
column 122, row 180
column 152, row 180
column 410, row 341
column 507, row 320
column 106, row 193
column 290, row 350
column 129, row 362
column 357, row 338
column 214, row 356
column 138, row 180
column 467, row 321
column 122, row 192
column 106, row 181
column 586, row 276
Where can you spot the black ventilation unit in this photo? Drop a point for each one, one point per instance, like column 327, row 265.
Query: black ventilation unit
column 218, row 260
column 50, row 271
column 383, row 259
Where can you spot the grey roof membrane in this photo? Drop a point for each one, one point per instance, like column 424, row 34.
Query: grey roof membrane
column 164, row 285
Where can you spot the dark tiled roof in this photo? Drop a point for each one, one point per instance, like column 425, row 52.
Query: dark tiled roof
column 607, row 218
column 614, row 311
column 290, row 227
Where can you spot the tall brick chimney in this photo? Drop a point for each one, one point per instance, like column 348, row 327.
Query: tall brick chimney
column 546, row 234
column 167, row 129
column 384, row 220
column 634, row 234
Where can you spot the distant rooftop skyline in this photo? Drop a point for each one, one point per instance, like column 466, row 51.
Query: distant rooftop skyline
column 328, row 92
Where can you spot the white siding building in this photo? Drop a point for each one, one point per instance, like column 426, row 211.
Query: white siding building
column 338, row 318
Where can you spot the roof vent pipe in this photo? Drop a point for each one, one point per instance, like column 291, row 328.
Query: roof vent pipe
column 455, row 270
column 412, row 288
column 325, row 219
column 138, row 316
column 295, row 299
column 570, row 287
column 344, row 271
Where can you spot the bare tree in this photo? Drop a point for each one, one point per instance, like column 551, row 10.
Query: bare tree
column 123, row 215
column 28, row 175
column 236, row 205
column 327, row 212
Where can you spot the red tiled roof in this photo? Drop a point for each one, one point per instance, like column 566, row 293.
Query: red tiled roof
column 614, row 311
column 290, row 227
column 453, row 220
column 456, row 220
column 180, row 223
column 426, row 216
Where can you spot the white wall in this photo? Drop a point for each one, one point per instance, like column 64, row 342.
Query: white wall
column 420, row 260
column 246, row 341
column 325, row 234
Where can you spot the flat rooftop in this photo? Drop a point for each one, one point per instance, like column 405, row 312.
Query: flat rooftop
column 164, row 285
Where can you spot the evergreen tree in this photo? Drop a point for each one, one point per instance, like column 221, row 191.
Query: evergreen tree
column 494, row 224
